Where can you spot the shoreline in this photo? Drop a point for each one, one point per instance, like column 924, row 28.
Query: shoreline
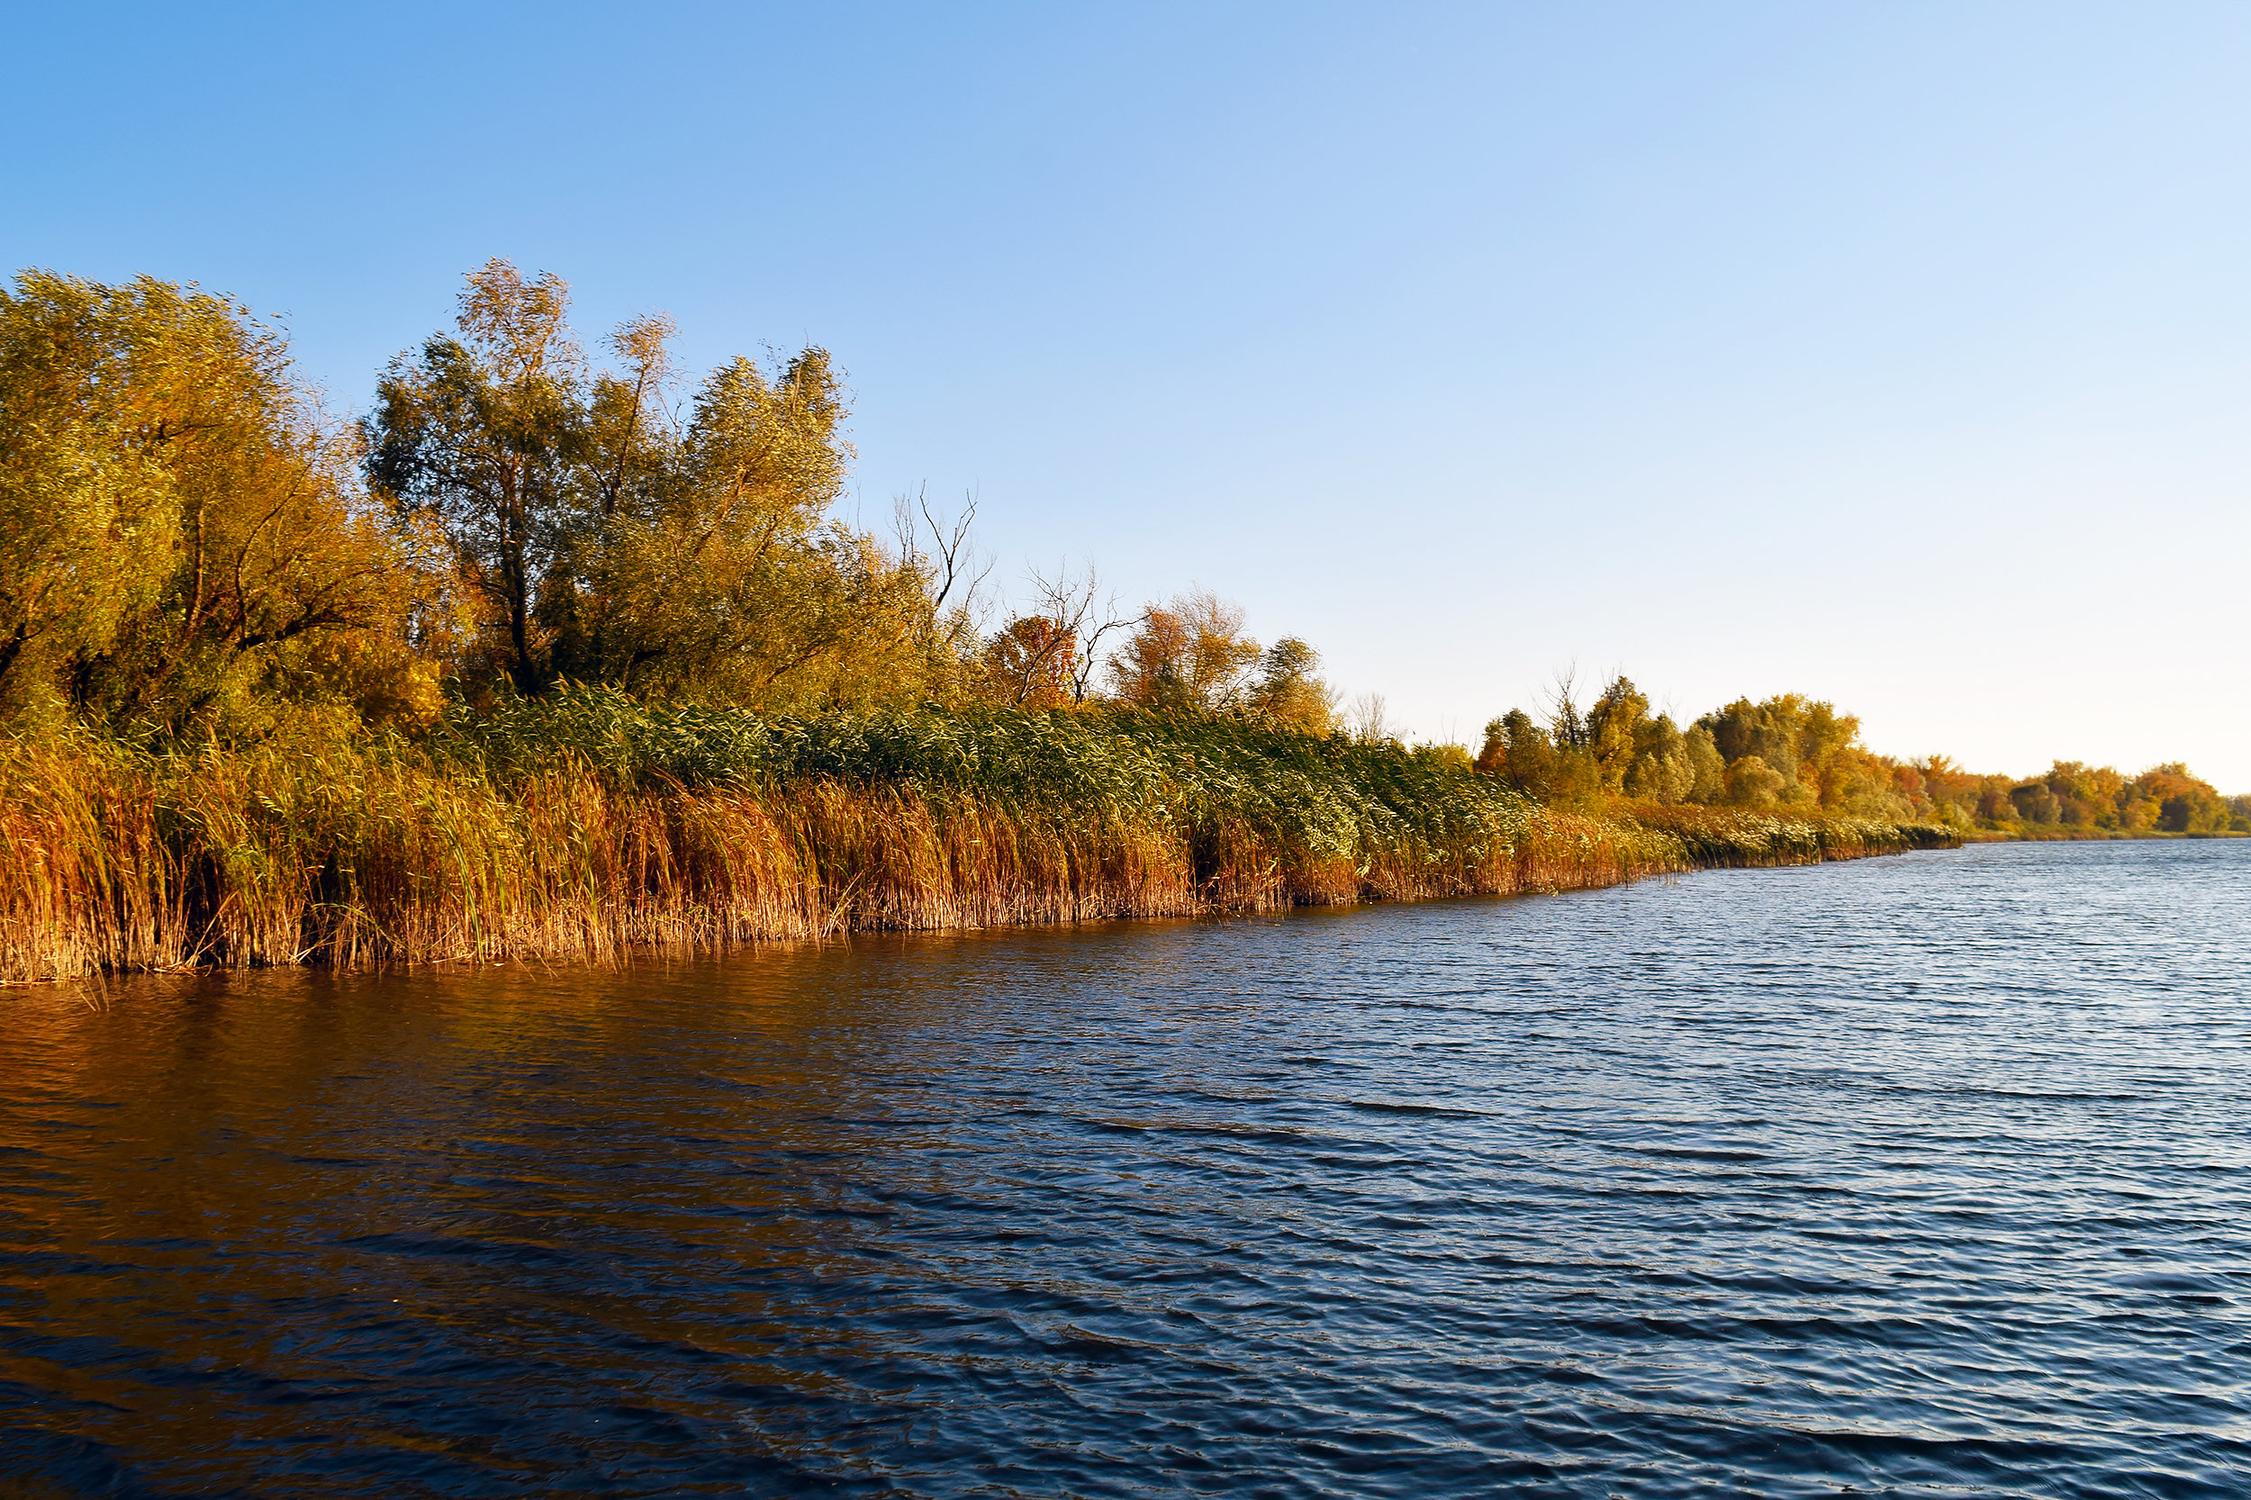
column 589, row 947
column 116, row 861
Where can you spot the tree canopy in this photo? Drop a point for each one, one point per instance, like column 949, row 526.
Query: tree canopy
column 184, row 537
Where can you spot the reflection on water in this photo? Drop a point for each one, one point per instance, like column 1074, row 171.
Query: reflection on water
column 1922, row 1175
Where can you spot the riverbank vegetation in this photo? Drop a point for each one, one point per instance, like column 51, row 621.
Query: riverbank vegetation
column 581, row 824
column 559, row 654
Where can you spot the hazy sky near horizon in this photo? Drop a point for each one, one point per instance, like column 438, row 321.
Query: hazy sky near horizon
column 1895, row 354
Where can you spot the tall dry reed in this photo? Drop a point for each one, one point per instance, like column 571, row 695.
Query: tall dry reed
column 584, row 827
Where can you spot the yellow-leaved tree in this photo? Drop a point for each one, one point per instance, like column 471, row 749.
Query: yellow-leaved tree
column 183, row 539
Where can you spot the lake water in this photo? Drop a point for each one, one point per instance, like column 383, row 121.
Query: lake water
column 1914, row 1176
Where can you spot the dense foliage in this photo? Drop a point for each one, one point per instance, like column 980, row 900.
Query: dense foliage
column 183, row 539
column 190, row 549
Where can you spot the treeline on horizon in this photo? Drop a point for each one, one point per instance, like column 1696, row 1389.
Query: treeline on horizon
column 193, row 551
column 1793, row 754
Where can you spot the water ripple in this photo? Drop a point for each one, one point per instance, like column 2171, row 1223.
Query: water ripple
column 1913, row 1177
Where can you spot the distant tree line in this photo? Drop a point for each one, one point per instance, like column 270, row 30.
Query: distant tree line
column 1790, row 753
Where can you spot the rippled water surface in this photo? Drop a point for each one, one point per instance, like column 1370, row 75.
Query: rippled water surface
column 1912, row 1176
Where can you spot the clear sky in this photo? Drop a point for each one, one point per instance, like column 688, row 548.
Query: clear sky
column 1898, row 353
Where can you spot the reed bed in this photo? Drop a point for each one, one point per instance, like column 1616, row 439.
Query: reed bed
column 583, row 827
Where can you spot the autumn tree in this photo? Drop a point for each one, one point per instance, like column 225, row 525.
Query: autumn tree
column 182, row 536
column 2184, row 803
column 1051, row 655
column 1518, row 750
column 1785, row 752
column 1613, row 728
column 1075, row 603
column 2086, row 796
column 1189, row 655
column 1753, row 784
column 1031, row 662
column 2034, row 802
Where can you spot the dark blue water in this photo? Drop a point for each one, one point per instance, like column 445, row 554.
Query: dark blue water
column 1918, row 1176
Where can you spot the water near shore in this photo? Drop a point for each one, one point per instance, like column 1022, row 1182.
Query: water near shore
column 1925, row 1175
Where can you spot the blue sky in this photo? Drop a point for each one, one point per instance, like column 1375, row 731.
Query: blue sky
column 1893, row 353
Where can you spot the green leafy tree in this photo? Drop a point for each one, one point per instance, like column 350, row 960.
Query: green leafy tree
column 604, row 538
column 2033, row 802
column 1662, row 769
column 721, row 577
column 1707, row 768
column 484, row 432
column 1751, row 783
